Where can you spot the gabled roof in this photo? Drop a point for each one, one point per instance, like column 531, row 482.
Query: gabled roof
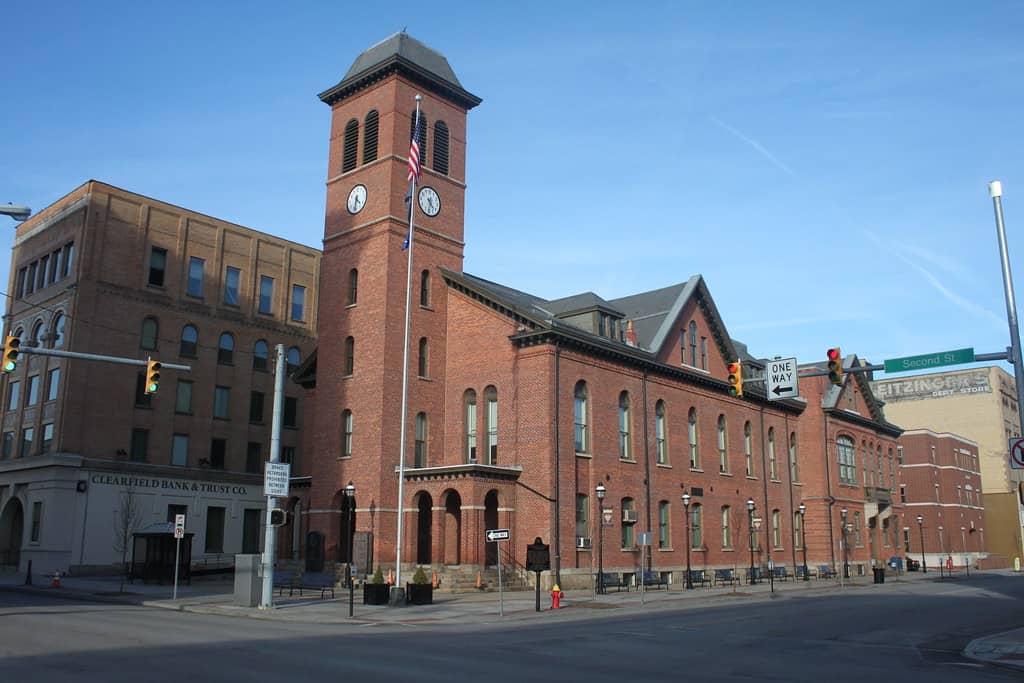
column 830, row 400
column 580, row 302
column 403, row 54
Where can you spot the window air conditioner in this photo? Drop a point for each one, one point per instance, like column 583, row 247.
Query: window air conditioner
column 582, row 543
column 629, row 516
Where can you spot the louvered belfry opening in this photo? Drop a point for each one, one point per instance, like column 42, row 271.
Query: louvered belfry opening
column 441, row 147
column 348, row 157
column 370, row 136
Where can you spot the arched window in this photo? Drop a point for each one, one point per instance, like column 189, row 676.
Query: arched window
column 422, row 367
column 441, row 147
column 581, row 433
column 353, row 287
column 370, row 126
column 748, row 450
column 625, row 442
column 864, row 461
column 58, row 330
column 793, row 464
column 422, row 139
column 628, row 522
column 226, row 349
column 726, row 527
column 425, row 289
column 697, row 525
column 693, row 343
column 776, row 530
column 664, row 528
column 491, row 415
column 150, row 333
column 880, row 482
column 420, row 455
column 723, row 454
column 292, row 359
column 346, row 433
column 350, row 356
column 189, row 342
column 773, row 465
column 260, row 355
column 469, row 424
column 691, row 433
column 351, row 142
column 37, row 334
column 660, row 436
column 847, row 460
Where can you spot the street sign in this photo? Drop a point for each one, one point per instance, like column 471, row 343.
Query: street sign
column 929, row 360
column 497, row 535
column 179, row 526
column 643, row 538
column 757, row 522
column 780, row 379
column 606, row 515
column 1017, row 454
column 275, row 479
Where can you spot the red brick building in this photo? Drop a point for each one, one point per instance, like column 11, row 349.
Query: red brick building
column 519, row 407
column 941, row 486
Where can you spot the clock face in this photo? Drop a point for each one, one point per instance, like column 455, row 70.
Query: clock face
column 357, row 199
column 430, row 202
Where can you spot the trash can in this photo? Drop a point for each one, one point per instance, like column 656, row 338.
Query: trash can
column 879, row 573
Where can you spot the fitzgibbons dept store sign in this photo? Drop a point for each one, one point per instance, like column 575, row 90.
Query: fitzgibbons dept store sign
column 917, row 388
column 140, row 483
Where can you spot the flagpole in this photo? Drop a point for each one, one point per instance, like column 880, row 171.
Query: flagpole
column 405, row 366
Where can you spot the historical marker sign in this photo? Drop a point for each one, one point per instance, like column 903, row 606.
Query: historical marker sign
column 781, row 380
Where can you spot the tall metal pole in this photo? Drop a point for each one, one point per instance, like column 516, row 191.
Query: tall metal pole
column 995, row 190
column 350, row 496
column 686, row 507
column 269, row 532
column 397, row 594
column 920, row 528
column 846, row 543
column 600, row 490
column 803, row 537
column 750, row 522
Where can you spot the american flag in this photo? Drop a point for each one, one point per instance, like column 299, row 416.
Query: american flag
column 414, row 149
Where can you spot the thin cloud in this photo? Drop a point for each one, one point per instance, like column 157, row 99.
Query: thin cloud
column 758, row 147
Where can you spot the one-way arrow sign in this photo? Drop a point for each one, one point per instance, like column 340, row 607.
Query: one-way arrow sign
column 497, row 535
column 781, row 380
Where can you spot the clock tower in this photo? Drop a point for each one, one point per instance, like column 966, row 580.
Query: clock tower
column 357, row 421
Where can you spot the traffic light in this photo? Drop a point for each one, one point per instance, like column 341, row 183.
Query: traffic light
column 152, row 376
column 735, row 378
column 278, row 517
column 11, row 345
column 835, row 365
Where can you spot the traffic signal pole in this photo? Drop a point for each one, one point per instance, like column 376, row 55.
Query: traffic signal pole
column 31, row 350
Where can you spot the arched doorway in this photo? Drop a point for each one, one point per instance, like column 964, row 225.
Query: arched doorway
column 424, row 507
column 453, row 528
column 12, row 523
column 491, row 522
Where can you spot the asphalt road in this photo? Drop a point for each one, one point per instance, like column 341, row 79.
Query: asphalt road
column 914, row 634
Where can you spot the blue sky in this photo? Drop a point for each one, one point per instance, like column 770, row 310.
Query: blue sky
column 823, row 165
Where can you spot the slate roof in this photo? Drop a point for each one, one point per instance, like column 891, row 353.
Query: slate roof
column 402, row 53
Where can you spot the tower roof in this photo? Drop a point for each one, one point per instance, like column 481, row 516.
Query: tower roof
column 404, row 54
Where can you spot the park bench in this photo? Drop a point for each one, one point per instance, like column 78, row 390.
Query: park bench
column 316, row 581
column 726, row 577
column 654, row 579
column 826, row 572
column 779, row 573
column 698, row 577
column 753, row 575
column 801, row 571
column 609, row 580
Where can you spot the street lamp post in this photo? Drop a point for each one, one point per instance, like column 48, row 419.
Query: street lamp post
column 750, row 522
column 920, row 528
column 803, row 538
column 846, row 556
column 686, row 508
column 963, row 541
column 600, row 491
column 350, row 495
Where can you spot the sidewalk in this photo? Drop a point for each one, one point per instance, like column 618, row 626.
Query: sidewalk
column 216, row 597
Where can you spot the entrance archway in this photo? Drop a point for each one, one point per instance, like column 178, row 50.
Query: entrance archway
column 491, row 522
column 424, row 537
column 453, row 528
column 12, row 523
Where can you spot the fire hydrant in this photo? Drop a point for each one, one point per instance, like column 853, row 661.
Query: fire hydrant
column 56, row 580
column 556, row 597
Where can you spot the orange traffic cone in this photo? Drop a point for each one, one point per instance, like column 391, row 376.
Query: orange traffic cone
column 56, row 580
column 391, row 578
column 433, row 580
column 479, row 581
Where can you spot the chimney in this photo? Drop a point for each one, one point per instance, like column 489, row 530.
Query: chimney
column 630, row 333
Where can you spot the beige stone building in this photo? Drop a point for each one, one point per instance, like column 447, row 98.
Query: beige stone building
column 108, row 272
column 981, row 405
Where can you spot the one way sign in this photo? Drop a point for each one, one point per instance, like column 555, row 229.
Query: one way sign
column 781, row 380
